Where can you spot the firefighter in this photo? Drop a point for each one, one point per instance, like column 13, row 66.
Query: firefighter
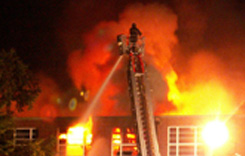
column 133, row 38
column 134, row 50
column 134, row 33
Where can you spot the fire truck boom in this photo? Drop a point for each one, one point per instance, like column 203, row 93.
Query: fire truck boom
column 138, row 91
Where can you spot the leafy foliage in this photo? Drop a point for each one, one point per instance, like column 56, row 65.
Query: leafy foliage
column 41, row 147
column 17, row 84
column 6, row 134
column 18, row 89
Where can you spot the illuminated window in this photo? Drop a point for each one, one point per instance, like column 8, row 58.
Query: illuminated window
column 25, row 135
column 185, row 141
column 124, row 142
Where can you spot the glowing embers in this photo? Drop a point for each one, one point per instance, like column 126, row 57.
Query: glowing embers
column 215, row 134
column 124, row 142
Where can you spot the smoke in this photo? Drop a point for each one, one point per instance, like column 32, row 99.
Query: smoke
column 90, row 66
column 100, row 147
column 209, row 61
column 209, row 57
column 202, row 90
column 194, row 54
column 47, row 103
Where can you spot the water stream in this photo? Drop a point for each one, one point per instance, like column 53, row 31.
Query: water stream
column 92, row 105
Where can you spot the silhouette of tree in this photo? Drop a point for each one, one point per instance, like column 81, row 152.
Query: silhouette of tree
column 17, row 85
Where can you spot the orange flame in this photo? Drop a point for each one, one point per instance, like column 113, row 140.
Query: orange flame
column 173, row 94
column 79, row 138
column 210, row 97
column 196, row 88
column 90, row 66
column 125, row 140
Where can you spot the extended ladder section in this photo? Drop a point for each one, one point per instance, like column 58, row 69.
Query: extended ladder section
column 139, row 92
column 142, row 111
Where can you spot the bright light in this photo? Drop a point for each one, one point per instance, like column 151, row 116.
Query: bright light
column 78, row 138
column 75, row 135
column 117, row 130
column 80, row 134
column 215, row 134
column 63, row 136
column 131, row 136
column 89, row 138
column 116, row 138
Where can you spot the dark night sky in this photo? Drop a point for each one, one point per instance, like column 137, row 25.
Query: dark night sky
column 30, row 27
column 44, row 32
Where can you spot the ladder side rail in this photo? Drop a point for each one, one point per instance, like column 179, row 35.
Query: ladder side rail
column 138, row 116
column 152, row 127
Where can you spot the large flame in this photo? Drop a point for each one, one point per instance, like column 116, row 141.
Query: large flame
column 90, row 66
column 189, row 80
column 78, row 138
column 203, row 91
column 205, row 98
column 199, row 87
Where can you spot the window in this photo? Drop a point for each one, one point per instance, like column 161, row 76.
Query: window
column 24, row 135
column 185, row 141
column 123, row 142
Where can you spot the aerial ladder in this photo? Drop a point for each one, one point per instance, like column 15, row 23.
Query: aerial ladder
column 142, row 112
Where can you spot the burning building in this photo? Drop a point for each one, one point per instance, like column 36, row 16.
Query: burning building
column 177, row 135
column 192, row 83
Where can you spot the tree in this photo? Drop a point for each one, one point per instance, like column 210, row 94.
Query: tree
column 6, row 135
column 41, row 147
column 17, row 84
column 17, row 87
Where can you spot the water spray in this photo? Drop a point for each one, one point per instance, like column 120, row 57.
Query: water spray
column 102, row 88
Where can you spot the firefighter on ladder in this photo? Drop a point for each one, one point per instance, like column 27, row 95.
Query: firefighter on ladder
column 134, row 50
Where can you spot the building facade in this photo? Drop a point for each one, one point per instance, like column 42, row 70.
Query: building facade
column 177, row 135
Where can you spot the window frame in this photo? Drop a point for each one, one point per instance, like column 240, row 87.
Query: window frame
column 196, row 144
column 32, row 135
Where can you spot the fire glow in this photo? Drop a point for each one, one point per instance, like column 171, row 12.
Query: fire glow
column 202, row 88
column 178, row 58
column 78, row 138
column 215, row 134
column 90, row 66
column 124, row 140
column 203, row 97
